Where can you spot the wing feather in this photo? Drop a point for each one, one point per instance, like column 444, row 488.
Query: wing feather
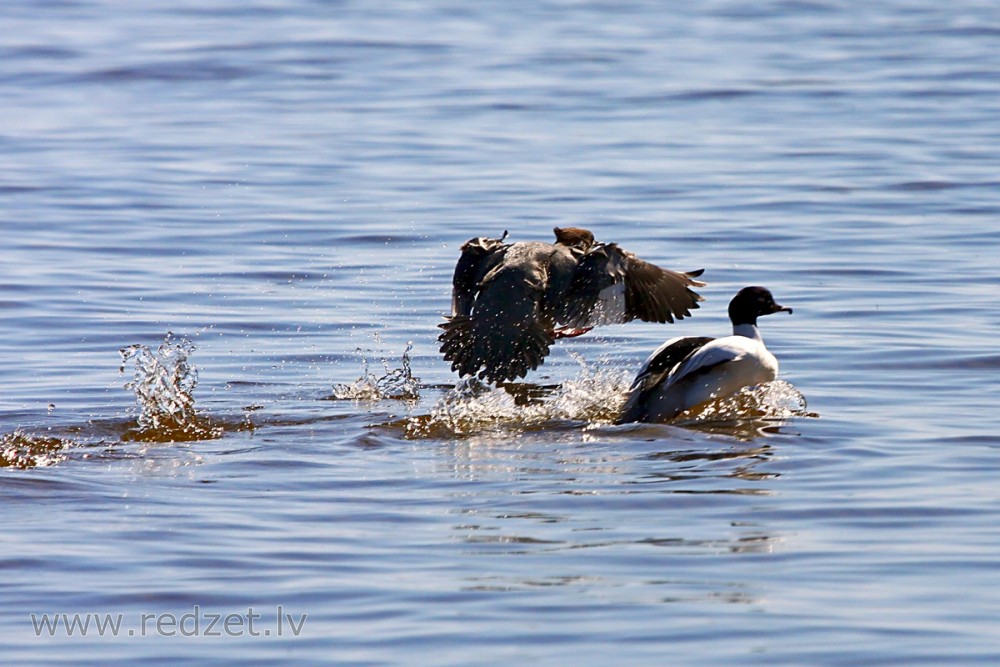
column 665, row 358
column 657, row 370
column 654, row 294
column 613, row 286
column 718, row 351
column 479, row 255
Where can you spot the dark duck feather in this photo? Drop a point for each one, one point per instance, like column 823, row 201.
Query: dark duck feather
column 509, row 298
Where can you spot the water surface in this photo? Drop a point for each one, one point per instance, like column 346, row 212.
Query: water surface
column 285, row 185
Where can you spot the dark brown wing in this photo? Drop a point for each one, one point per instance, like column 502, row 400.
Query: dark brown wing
column 592, row 292
column 653, row 294
column 478, row 256
column 612, row 286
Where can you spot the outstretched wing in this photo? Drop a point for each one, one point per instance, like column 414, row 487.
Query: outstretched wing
column 479, row 255
column 612, row 286
column 653, row 294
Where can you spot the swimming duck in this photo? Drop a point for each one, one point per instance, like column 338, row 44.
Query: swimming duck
column 686, row 372
column 508, row 298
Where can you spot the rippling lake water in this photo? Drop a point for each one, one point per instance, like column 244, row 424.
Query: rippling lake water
column 258, row 206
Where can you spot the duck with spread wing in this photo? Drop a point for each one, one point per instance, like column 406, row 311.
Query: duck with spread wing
column 511, row 301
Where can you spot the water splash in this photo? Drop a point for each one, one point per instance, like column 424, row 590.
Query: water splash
column 164, row 383
column 396, row 383
column 594, row 395
column 23, row 451
column 772, row 401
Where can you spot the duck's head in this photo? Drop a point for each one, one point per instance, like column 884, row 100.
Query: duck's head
column 752, row 302
column 574, row 237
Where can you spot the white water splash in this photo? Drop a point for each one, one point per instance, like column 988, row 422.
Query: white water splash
column 395, row 383
column 163, row 382
column 593, row 395
column 771, row 401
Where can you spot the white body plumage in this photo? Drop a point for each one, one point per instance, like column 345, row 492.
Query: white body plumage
column 686, row 372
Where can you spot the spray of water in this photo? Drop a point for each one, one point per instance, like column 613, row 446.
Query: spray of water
column 594, row 395
column 771, row 401
column 163, row 382
column 394, row 383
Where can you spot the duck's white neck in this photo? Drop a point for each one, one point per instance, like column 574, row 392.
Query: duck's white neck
column 748, row 331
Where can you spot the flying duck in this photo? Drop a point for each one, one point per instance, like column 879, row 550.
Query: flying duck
column 508, row 298
column 686, row 372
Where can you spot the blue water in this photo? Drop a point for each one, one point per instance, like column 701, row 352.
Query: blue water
column 284, row 185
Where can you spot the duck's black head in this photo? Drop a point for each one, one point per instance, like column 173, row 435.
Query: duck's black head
column 752, row 302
